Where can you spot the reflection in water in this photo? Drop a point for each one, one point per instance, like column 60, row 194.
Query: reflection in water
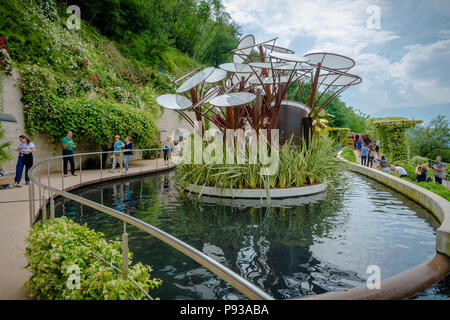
column 290, row 250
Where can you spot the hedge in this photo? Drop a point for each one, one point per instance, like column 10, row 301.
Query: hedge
column 393, row 141
column 95, row 120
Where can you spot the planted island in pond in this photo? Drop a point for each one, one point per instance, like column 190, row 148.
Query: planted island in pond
column 264, row 111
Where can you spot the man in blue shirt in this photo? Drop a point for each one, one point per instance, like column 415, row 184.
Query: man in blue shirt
column 359, row 146
column 364, row 151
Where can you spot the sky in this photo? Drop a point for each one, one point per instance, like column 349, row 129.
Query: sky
column 402, row 53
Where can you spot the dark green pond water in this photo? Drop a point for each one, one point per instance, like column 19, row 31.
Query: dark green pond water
column 291, row 250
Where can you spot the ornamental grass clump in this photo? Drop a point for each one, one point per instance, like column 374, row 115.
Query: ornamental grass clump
column 62, row 265
column 298, row 166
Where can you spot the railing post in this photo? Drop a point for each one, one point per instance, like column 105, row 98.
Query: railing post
column 125, row 251
column 80, row 169
column 101, row 166
column 44, row 206
column 40, row 189
column 62, row 173
column 31, row 203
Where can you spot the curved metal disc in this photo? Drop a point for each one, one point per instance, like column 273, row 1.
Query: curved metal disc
column 216, row 76
column 293, row 67
column 330, row 60
column 247, row 43
column 278, row 80
column 288, row 57
column 273, row 48
column 233, row 99
column 337, row 79
column 195, row 79
column 173, row 101
column 236, row 67
column 267, row 65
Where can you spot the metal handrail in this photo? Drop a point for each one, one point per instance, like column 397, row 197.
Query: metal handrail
column 237, row 281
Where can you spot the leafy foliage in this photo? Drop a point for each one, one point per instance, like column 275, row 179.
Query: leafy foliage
column 94, row 121
column 54, row 247
column 297, row 167
column 431, row 140
column 202, row 29
column 392, row 135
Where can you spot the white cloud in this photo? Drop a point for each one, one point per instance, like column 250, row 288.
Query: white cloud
column 420, row 77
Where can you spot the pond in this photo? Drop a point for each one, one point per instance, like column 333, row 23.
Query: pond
column 290, row 250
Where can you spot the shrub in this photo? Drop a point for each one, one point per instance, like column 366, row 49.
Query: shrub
column 56, row 247
column 95, row 121
column 393, row 141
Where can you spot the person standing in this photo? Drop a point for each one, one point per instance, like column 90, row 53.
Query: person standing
column 127, row 154
column 364, row 151
column 68, row 145
column 439, row 170
column 25, row 149
column 117, row 153
column 371, row 156
column 166, row 150
column 377, row 148
column 359, row 146
column 422, row 173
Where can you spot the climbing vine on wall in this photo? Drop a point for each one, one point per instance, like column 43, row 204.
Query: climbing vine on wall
column 392, row 135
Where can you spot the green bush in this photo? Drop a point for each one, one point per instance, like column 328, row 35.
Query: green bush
column 56, row 247
column 94, row 121
column 393, row 140
column 340, row 135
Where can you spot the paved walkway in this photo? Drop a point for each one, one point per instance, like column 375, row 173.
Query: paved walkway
column 15, row 221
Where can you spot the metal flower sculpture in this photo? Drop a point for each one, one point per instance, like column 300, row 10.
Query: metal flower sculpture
column 252, row 90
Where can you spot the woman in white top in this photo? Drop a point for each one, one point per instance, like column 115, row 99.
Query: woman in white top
column 25, row 149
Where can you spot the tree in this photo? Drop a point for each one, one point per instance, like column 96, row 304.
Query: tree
column 431, row 140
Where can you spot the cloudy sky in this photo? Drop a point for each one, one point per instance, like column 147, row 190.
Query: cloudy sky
column 404, row 61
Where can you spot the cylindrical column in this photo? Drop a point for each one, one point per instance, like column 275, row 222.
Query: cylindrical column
column 52, row 208
column 125, row 251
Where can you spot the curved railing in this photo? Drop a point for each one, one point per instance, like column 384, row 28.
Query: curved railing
column 47, row 193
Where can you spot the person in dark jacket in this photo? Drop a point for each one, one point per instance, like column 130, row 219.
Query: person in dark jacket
column 128, row 152
column 422, row 173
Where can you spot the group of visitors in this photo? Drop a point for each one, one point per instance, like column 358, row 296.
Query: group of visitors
column 421, row 170
column 118, row 156
column 368, row 152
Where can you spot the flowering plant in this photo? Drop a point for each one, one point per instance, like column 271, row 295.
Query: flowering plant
column 5, row 60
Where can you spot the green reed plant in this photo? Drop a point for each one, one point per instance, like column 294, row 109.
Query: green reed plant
column 298, row 166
